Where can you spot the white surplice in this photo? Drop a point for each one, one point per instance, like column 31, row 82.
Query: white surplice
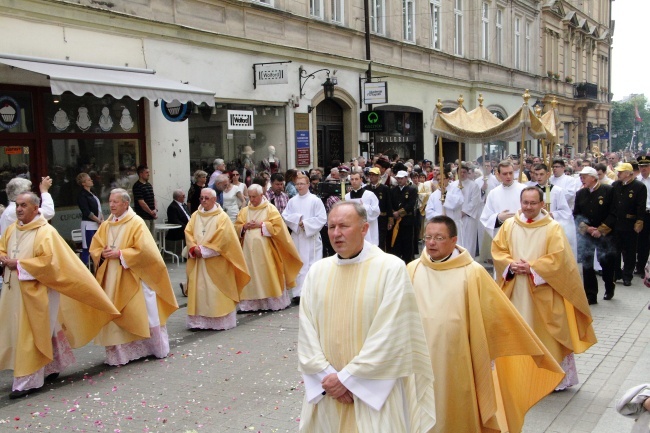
column 500, row 199
column 471, row 212
column 371, row 203
column 310, row 210
column 569, row 186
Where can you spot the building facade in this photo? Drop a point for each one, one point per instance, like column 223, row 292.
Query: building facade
column 249, row 56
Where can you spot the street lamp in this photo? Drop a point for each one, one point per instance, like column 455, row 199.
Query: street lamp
column 328, row 85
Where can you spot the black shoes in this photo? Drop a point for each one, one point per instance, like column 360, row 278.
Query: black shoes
column 627, row 283
column 20, row 394
column 183, row 289
column 592, row 301
column 51, row 377
column 608, row 296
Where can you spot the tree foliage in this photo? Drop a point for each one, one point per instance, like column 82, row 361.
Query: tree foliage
column 623, row 122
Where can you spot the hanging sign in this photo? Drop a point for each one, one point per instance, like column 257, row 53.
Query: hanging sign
column 175, row 111
column 375, row 93
column 271, row 74
column 372, row 121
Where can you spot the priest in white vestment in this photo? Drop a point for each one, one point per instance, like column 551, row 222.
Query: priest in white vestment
column 538, row 272
column 569, row 184
column 361, row 345
column 486, row 182
column 453, row 201
column 503, row 201
column 556, row 203
column 369, row 201
column 470, row 210
column 305, row 215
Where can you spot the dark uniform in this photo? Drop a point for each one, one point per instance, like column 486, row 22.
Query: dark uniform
column 629, row 208
column 383, row 195
column 403, row 200
column 594, row 209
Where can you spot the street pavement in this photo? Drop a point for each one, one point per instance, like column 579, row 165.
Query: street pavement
column 246, row 379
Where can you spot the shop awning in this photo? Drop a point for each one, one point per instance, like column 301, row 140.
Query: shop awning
column 100, row 80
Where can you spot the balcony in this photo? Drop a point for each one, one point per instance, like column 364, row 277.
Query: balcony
column 586, row 91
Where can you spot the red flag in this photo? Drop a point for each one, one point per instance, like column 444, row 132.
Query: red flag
column 636, row 114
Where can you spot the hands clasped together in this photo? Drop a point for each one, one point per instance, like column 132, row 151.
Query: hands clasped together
column 335, row 389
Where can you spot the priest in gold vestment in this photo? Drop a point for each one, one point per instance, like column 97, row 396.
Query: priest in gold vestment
column 216, row 269
column 134, row 276
column 361, row 346
column 49, row 302
column 464, row 314
column 536, row 269
column 272, row 257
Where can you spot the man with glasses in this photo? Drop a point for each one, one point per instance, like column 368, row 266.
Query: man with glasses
column 566, row 182
column 537, row 271
column 216, row 269
column 305, row 215
column 463, row 312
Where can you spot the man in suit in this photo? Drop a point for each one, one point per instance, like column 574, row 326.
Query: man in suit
column 403, row 199
column 177, row 213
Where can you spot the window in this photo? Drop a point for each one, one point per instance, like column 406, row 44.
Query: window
column 316, row 8
column 527, row 48
column 408, row 13
column 435, row 23
column 337, row 11
column 377, row 16
column 458, row 27
column 499, row 37
column 485, row 26
column 517, row 43
column 264, row 2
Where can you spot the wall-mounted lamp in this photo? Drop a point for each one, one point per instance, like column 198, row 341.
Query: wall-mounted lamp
column 156, row 103
column 310, row 108
column 328, row 85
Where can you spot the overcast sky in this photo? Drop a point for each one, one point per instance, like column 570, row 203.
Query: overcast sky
column 630, row 54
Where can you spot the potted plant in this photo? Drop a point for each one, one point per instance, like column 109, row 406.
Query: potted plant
column 569, row 79
column 556, row 76
column 549, row 74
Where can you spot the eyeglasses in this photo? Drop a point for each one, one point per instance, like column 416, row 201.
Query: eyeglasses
column 204, row 198
column 429, row 238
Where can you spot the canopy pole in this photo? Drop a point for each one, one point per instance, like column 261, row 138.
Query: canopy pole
column 460, row 101
column 526, row 97
column 441, row 162
column 485, row 175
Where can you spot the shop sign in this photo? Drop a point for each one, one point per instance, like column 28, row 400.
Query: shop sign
column 372, row 121
column 238, row 119
column 271, row 74
column 175, row 111
column 303, row 157
column 395, row 139
column 9, row 112
column 13, row 150
column 375, row 93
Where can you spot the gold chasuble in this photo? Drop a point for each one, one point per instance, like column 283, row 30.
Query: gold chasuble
column 468, row 323
column 214, row 283
column 274, row 261
column 139, row 251
column 557, row 309
column 360, row 315
column 84, row 308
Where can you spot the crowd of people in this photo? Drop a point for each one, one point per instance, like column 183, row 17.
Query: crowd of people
column 385, row 258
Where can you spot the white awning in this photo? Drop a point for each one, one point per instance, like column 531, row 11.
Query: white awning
column 100, row 80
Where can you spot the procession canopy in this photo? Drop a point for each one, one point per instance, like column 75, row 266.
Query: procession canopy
column 481, row 126
column 551, row 122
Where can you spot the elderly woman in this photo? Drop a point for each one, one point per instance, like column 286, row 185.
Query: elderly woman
column 193, row 194
column 17, row 186
column 91, row 213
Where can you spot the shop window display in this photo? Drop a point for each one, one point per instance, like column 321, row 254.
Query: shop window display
column 246, row 150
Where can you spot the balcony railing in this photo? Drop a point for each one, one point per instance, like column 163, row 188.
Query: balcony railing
column 586, row 91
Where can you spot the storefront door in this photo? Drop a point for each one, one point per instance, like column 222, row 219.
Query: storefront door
column 329, row 133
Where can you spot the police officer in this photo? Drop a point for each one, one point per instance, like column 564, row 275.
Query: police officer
column 403, row 199
column 643, row 249
column 382, row 192
column 630, row 197
column 594, row 221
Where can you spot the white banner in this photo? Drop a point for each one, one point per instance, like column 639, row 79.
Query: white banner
column 240, row 119
column 375, row 93
column 271, row 74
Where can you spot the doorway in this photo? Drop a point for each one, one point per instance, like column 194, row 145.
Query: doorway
column 330, row 142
